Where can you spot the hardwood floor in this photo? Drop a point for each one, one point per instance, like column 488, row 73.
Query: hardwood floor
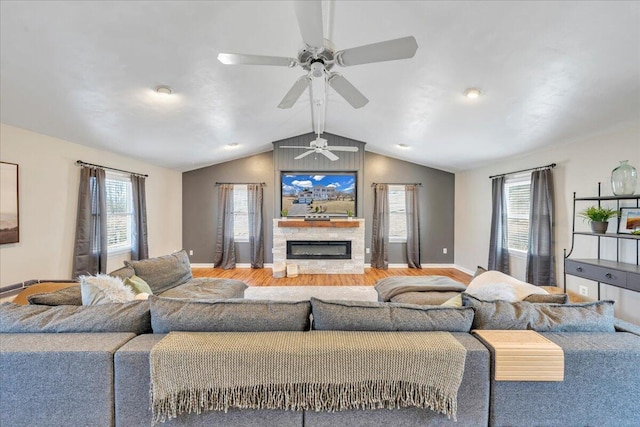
column 263, row 276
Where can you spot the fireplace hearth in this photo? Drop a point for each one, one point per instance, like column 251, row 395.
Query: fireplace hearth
column 315, row 249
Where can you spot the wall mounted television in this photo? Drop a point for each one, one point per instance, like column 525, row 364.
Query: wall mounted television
column 327, row 193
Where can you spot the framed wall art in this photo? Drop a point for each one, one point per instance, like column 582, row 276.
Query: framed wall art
column 629, row 221
column 9, row 213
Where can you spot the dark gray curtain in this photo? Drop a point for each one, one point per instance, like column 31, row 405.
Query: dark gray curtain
column 540, row 256
column 256, row 238
column 139, row 241
column 225, row 255
column 380, row 237
column 413, row 226
column 498, row 245
column 90, row 248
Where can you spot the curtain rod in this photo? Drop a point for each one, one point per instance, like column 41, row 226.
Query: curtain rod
column 81, row 163
column 419, row 184
column 241, row 183
column 550, row 166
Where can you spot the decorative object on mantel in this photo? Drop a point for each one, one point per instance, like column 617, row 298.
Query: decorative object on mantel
column 629, row 221
column 284, row 213
column 9, row 219
column 598, row 216
column 349, row 214
column 624, row 179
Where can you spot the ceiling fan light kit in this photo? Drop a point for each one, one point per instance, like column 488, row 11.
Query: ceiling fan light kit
column 317, row 57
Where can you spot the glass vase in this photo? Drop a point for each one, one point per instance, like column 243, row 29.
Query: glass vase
column 624, row 179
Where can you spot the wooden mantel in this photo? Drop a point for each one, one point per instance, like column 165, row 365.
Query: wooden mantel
column 334, row 223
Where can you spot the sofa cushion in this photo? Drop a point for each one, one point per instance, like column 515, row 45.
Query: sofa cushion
column 128, row 317
column 387, row 316
column 67, row 296
column 207, row 288
column 456, row 301
column 123, row 272
column 232, row 315
column 590, row 317
column 163, row 272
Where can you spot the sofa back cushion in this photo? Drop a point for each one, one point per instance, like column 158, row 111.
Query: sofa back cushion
column 388, row 316
column 128, row 317
column 123, row 272
column 163, row 272
column 590, row 317
column 232, row 315
column 67, row 296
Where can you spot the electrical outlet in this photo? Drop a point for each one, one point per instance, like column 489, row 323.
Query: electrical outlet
column 584, row 291
column 191, row 252
column 444, row 250
column 367, row 250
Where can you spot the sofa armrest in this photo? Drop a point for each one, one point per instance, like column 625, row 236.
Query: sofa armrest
column 58, row 379
column 624, row 326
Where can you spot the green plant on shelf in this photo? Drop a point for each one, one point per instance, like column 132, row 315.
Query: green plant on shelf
column 598, row 214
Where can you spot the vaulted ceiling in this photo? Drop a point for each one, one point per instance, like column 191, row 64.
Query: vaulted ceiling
column 549, row 72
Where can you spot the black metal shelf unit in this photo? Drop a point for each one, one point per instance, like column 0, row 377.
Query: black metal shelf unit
column 610, row 272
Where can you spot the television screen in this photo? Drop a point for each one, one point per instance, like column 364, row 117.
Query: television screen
column 327, row 193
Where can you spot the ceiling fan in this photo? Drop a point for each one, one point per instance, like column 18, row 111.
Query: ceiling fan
column 318, row 56
column 321, row 145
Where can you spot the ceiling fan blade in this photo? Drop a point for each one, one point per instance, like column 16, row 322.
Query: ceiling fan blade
column 348, row 91
column 242, row 59
column 329, row 155
column 294, row 146
column 304, row 155
column 309, row 14
column 295, row 92
column 389, row 50
column 352, row 149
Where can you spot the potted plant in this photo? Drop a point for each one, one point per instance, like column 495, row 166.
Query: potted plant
column 349, row 214
column 598, row 216
column 283, row 213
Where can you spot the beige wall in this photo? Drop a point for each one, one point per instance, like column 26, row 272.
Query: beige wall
column 48, row 186
column 581, row 165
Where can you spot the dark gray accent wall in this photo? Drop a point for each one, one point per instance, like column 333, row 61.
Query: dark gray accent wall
column 200, row 197
column 436, row 206
column 200, row 204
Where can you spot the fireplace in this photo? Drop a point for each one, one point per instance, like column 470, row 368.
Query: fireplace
column 318, row 249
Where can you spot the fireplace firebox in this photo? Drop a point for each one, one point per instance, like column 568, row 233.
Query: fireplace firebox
column 318, row 249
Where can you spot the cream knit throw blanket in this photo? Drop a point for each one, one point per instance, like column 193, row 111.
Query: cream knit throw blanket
column 317, row 370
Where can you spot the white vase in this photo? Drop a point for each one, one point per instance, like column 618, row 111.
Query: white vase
column 624, row 179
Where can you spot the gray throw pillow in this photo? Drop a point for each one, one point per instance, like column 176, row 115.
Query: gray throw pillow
column 128, row 317
column 232, row 315
column 388, row 316
column 590, row 317
column 123, row 272
column 163, row 272
column 66, row 296
column 548, row 298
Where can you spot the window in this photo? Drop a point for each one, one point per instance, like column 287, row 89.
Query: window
column 518, row 193
column 119, row 212
column 240, row 213
column 397, row 214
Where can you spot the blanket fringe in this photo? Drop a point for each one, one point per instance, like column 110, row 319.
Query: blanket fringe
column 315, row 397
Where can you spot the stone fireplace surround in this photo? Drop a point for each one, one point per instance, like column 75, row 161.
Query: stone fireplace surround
column 309, row 230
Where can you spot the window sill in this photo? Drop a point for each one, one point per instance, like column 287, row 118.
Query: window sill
column 241, row 240
column 119, row 251
column 397, row 240
column 517, row 253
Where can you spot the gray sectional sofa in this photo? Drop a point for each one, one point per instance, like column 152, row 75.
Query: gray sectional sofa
column 93, row 369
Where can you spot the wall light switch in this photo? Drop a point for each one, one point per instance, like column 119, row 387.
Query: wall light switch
column 444, row 250
column 191, row 252
column 367, row 250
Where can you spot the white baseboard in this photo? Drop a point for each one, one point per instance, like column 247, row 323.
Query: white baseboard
column 464, row 270
column 238, row 265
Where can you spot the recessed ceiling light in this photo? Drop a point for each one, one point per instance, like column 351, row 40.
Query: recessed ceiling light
column 164, row 90
column 403, row 146
column 472, row 92
column 233, row 145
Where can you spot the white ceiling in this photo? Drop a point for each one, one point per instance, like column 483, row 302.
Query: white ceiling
column 549, row 71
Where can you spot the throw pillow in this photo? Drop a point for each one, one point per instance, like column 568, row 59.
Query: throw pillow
column 165, row 272
column 479, row 271
column 137, row 285
column 123, row 272
column 590, row 317
column 456, row 301
column 104, row 289
column 66, row 296
column 232, row 315
column 388, row 316
column 129, row 317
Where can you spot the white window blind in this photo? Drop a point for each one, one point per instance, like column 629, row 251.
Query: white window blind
column 397, row 214
column 518, row 193
column 240, row 212
column 119, row 212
